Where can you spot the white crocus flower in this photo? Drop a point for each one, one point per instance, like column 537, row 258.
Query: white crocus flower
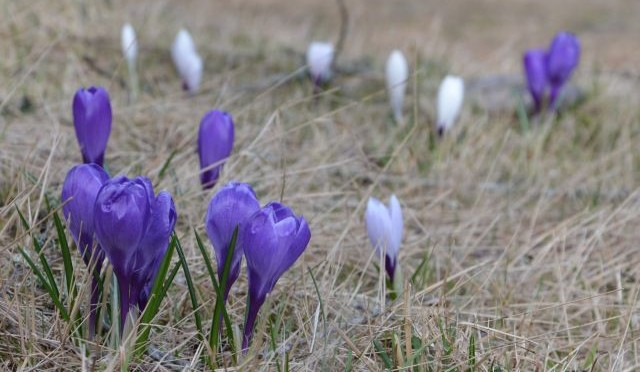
column 450, row 98
column 187, row 61
column 397, row 75
column 319, row 60
column 129, row 44
column 384, row 227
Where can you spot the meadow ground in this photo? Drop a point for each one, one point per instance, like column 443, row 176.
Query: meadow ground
column 521, row 245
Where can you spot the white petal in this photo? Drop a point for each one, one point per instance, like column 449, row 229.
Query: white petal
column 397, row 226
column 378, row 224
column 397, row 73
column 129, row 43
column 187, row 61
column 193, row 73
column 319, row 60
column 450, row 98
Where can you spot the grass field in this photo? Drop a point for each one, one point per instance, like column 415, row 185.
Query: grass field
column 521, row 248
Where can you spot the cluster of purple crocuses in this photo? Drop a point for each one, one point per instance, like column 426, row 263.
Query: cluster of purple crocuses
column 551, row 69
column 124, row 220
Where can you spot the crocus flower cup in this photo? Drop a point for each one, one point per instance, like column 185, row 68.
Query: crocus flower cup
column 215, row 142
column 228, row 209
column 133, row 227
column 397, row 71
column 450, row 99
column 272, row 239
column 92, row 122
column 385, row 227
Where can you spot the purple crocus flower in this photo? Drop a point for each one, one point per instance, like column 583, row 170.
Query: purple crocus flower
column 536, row 73
column 133, row 227
column 215, row 142
column 92, row 121
column 562, row 58
column 79, row 193
column 272, row 238
column 231, row 206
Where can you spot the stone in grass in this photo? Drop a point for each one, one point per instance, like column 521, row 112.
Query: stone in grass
column 503, row 93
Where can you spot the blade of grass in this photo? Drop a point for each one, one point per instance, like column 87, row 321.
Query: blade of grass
column 158, row 292
column 382, row 353
column 219, row 309
column 41, row 257
column 214, row 281
column 190, row 287
column 54, row 298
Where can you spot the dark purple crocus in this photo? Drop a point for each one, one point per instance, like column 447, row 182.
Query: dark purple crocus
column 535, row 70
column 562, row 58
column 79, row 193
column 215, row 142
column 92, row 121
column 133, row 227
column 272, row 238
column 231, row 206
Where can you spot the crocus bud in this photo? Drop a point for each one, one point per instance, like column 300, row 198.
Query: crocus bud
column 92, row 121
column 187, row 61
column 231, row 206
column 397, row 74
column 273, row 238
column 133, row 227
column 536, row 74
column 562, row 58
column 215, row 142
column 129, row 44
column 79, row 193
column 319, row 60
column 450, row 98
column 384, row 227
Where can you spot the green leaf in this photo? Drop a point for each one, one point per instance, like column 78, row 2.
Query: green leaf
column 66, row 257
column 220, row 308
column 472, row 353
column 214, row 282
column 382, row 353
column 43, row 260
column 45, row 284
column 157, row 294
column 166, row 164
column 190, row 286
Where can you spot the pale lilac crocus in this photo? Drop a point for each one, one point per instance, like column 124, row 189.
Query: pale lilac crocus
column 385, row 227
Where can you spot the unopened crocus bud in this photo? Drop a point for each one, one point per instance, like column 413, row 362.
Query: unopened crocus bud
column 133, row 227
column 450, row 98
column 215, row 142
column 319, row 60
column 129, row 44
column 79, row 193
column 384, row 227
column 536, row 74
column 231, row 206
column 92, row 122
column 397, row 75
column 272, row 239
column 562, row 58
column 187, row 61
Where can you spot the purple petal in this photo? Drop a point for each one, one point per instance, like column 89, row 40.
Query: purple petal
column 231, row 206
column 536, row 74
column 215, row 142
column 79, row 191
column 92, row 121
column 122, row 213
column 562, row 58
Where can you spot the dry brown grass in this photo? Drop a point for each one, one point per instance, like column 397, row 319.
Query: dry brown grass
column 532, row 236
